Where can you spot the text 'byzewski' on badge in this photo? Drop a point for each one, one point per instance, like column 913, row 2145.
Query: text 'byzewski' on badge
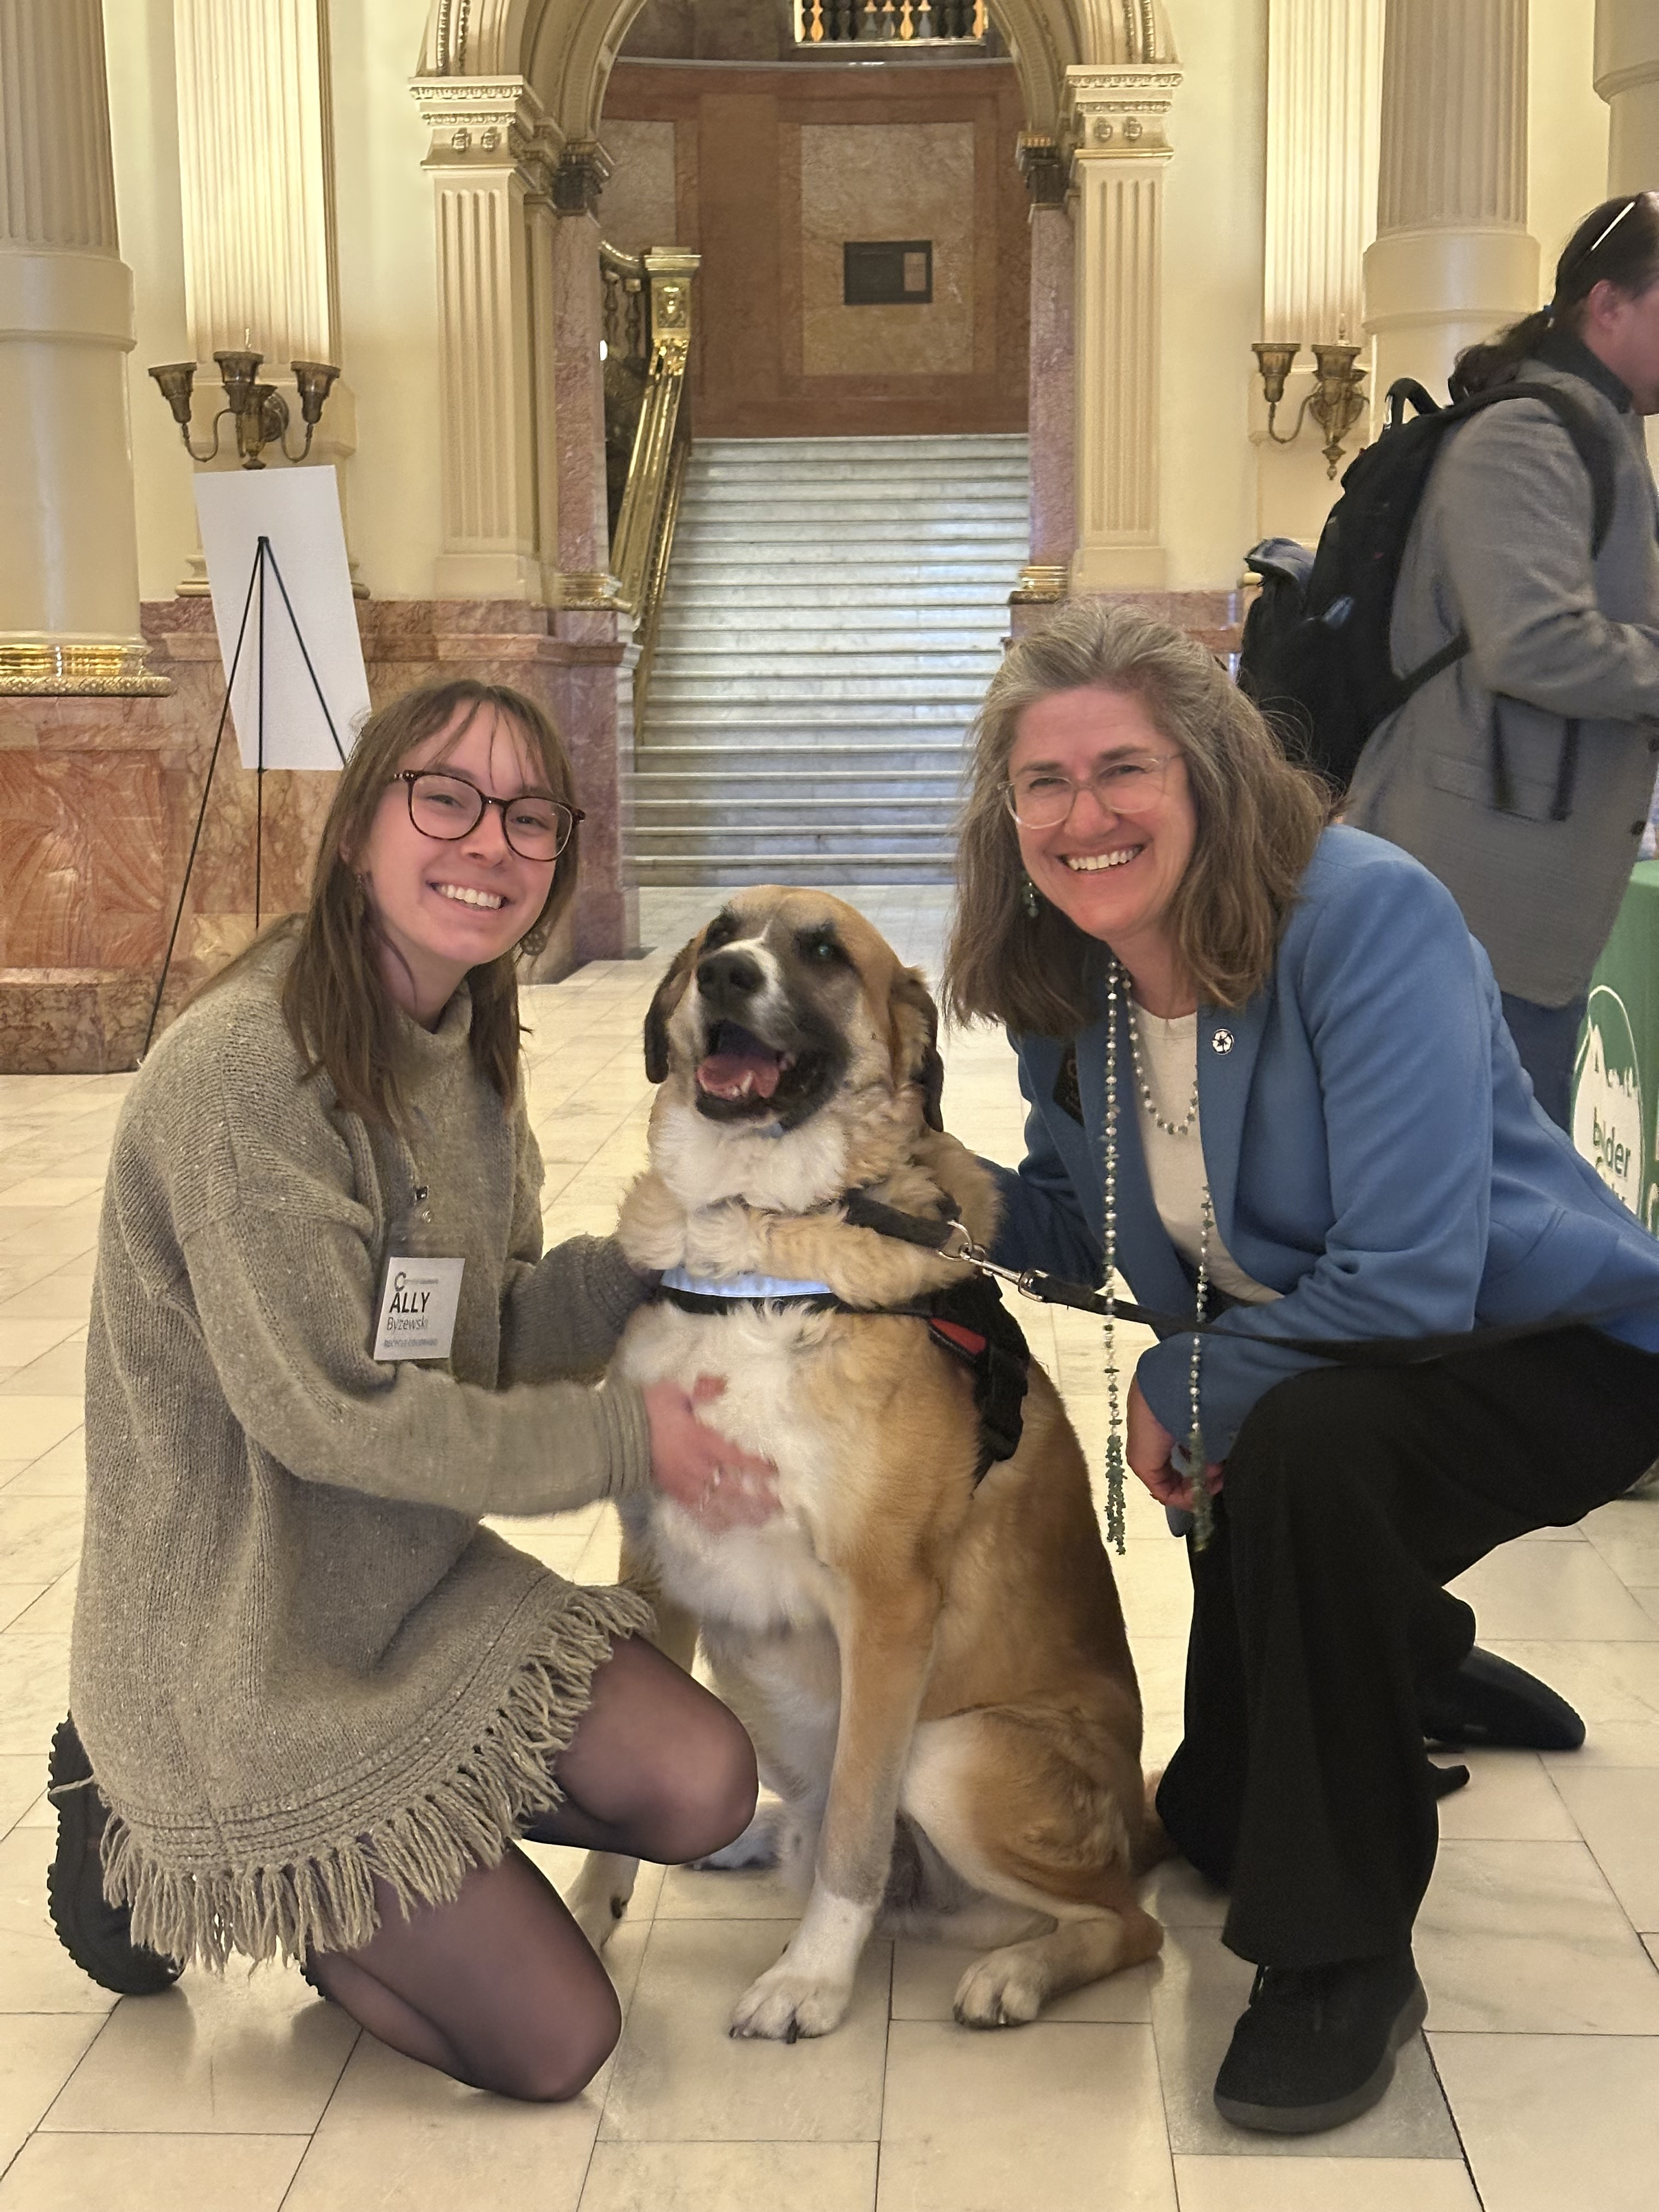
column 417, row 1309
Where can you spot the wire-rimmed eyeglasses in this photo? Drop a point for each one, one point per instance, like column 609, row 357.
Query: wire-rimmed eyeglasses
column 449, row 807
column 1042, row 797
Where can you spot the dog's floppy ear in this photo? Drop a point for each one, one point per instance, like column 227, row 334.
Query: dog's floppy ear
column 661, row 1012
column 914, row 1020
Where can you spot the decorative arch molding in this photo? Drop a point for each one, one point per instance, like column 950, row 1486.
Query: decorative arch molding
column 565, row 48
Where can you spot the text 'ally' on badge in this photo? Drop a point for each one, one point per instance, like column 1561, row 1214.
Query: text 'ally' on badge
column 417, row 1309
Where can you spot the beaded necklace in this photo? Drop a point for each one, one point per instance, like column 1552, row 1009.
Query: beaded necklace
column 1116, row 991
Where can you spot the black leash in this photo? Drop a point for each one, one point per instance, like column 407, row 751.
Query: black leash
column 950, row 1238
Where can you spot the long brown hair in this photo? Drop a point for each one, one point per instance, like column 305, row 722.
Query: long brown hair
column 1617, row 243
column 1259, row 818
column 337, row 1006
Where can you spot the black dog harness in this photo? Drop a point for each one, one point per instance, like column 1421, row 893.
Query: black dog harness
column 967, row 1321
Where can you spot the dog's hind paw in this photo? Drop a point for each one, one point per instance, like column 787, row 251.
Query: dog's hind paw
column 784, row 2005
column 759, row 1845
column 998, row 1991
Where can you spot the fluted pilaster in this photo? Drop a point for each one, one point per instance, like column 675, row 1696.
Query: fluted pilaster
column 1627, row 78
column 1324, row 61
column 1119, row 120
column 68, row 557
column 1452, row 260
column 257, row 168
column 491, row 158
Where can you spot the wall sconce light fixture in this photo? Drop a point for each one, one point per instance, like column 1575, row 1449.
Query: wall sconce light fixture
column 1336, row 402
column 258, row 410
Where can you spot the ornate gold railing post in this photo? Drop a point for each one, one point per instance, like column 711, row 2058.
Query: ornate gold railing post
column 644, row 535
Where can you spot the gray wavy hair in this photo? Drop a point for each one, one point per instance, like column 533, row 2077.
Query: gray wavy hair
column 1259, row 818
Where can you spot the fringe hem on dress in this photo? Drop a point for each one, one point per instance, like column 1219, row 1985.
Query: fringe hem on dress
column 424, row 1852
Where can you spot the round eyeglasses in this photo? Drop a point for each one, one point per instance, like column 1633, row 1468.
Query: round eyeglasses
column 1042, row 797
column 449, row 807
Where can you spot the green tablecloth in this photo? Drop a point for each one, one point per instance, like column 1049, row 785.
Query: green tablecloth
column 1616, row 1091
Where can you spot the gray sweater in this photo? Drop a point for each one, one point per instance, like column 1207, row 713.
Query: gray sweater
column 298, row 1661
column 1501, row 546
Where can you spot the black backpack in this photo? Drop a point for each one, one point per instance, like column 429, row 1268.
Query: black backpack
column 1314, row 652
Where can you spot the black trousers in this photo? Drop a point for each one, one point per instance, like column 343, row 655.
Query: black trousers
column 1351, row 1495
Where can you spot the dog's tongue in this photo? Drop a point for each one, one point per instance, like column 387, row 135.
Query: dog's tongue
column 749, row 1074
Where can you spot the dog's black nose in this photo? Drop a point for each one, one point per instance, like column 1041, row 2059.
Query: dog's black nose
column 727, row 978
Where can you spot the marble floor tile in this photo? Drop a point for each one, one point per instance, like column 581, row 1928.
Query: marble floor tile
column 1617, row 1812
column 39, row 1537
column 760, row 2177
column 1063, row 2117
column 50, row 1297
column 253, row 2051
column 59, row 1473
column 1509, row 1797
column 151, row 2173
column 925, row 1975
column 23, row 1341
column 1319, row 2183
column 1198, row 1994
column 33, row 1424
column 1557, row 2123
column 17, row 1598
column 22, row 1778
column 37, row 1975
column 1564, row 1592
column 61, row 1372
column 39, row 2052
column 742, row 1893
column 679, row 2078
column 1527, row 1938
column 33, row 1691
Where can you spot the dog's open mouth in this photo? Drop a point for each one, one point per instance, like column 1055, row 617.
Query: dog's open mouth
column 741, row 1078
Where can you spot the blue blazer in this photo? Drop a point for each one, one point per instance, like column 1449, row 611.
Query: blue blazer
column 1373, row 1151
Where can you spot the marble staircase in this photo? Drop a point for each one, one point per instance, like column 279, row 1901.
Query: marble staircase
column 834, row 611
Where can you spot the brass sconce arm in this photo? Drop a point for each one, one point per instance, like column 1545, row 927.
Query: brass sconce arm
column 1336, row 402
column 258, row 410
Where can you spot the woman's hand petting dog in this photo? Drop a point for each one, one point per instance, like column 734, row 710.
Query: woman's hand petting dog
column 1148, row 1446
column 715, row 1480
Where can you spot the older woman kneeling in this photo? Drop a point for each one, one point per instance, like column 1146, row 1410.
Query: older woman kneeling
column 1270, row 1083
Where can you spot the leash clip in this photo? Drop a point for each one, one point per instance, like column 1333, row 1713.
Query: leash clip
column 974, row 1256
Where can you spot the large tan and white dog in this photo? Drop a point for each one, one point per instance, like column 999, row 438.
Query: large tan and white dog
column 934, row 1669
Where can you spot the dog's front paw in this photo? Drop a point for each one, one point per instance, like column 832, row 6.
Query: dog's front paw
column 600, row 1895
column 999, row 1991
column 785, row 2004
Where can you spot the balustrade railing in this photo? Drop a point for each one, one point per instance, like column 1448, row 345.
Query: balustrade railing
column 912, row 22
column 647, row 428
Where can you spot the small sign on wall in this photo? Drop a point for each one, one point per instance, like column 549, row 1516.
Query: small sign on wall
column 887, row 272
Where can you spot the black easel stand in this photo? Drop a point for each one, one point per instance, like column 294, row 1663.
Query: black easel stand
column 264, row 558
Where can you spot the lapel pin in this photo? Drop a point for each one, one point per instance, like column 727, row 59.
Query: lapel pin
column 1222, row 1041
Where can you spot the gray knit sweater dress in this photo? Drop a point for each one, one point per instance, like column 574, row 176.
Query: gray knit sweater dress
column 299, row 1662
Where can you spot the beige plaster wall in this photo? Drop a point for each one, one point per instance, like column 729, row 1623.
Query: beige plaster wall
column 638, row 208
column 887, row 181
column 1214, row 195
column 1567, row 126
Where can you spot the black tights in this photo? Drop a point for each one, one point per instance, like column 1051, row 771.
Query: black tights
column 502, row 1989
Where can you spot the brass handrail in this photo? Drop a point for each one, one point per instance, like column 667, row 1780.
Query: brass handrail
column 648, row 340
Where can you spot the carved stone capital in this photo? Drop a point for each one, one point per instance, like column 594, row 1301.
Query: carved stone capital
column 582, row 174
column 488, row 123
column 1046, row 166
column 1122, row 113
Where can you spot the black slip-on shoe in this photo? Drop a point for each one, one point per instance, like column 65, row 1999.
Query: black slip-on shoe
column 1489, row 1700
column 97, row 1934
column 1317, row 2045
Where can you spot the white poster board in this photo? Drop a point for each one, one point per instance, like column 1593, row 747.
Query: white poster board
column 305, row 597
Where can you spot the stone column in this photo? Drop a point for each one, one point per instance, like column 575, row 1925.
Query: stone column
column 1452, row 261
column 1324, row 68
column 1053, row 393
column 69, row 549
column 492, row 148
column 1118, row 119
column 256, row 157
column 1627, row 78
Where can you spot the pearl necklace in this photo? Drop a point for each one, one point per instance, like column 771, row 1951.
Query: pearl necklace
column 1115, row 1464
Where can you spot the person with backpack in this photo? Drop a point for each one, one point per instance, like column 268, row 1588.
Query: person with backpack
column 1524, row 628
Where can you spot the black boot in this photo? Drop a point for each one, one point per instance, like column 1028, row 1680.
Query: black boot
column 1487, row 1700
column 97, row 1934
column 1317, row 2046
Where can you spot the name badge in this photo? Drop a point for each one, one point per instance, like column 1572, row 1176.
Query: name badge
column 417, row 1309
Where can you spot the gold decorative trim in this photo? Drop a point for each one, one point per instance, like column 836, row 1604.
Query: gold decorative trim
column 48, row 670
column 595, row 591
column 1041, row 585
